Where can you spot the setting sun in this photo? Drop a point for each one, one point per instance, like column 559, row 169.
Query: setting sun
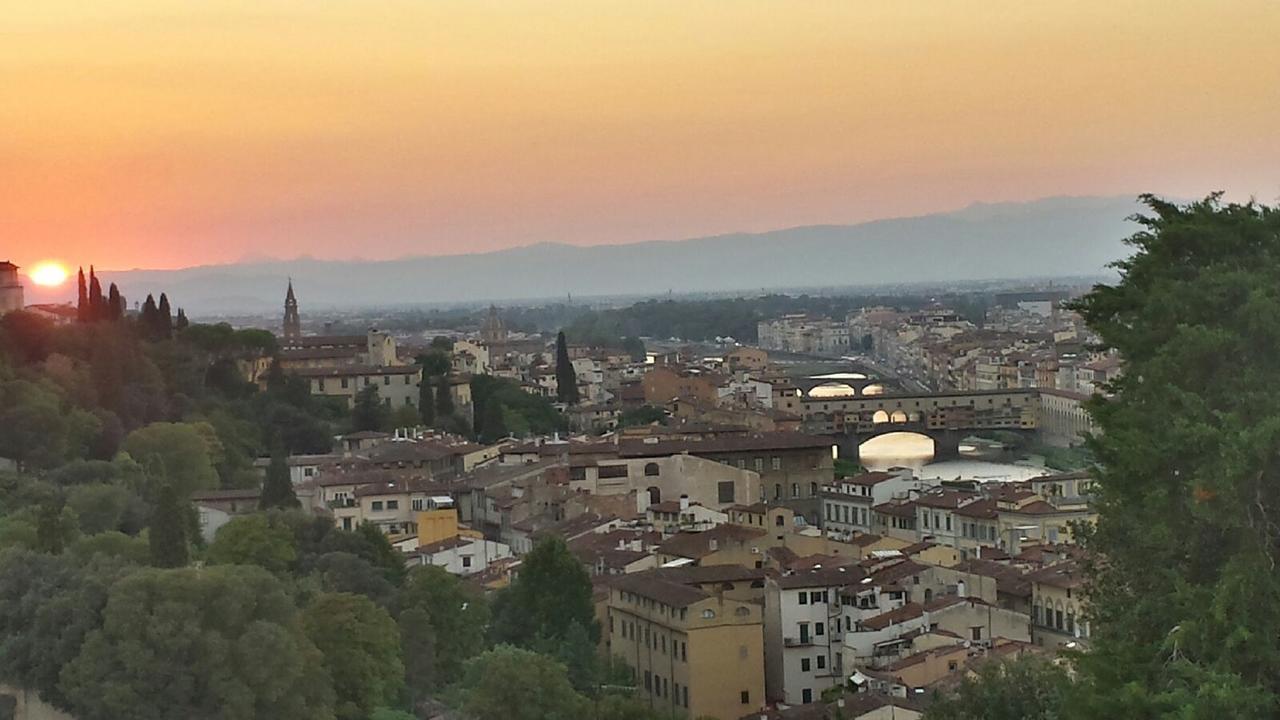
column 48, row 274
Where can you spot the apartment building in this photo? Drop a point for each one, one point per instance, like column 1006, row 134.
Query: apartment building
column 694, row 644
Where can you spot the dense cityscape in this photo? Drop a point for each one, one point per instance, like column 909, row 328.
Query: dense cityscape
column 663, row 360
column 888, row 512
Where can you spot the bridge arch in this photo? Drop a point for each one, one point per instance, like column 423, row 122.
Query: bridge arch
column 897, row 447
column 832, row 390
column 879, row 417
column 873, row 389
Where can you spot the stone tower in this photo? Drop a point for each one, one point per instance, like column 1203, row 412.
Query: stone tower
column 494, row 331
column 292, row 323
column 10, row 288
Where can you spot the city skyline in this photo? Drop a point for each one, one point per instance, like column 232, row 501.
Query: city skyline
column 144, row 136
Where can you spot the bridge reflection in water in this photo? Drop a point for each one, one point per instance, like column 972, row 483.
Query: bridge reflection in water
column 897, row 449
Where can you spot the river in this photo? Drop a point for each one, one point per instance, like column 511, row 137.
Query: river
column 916, row 452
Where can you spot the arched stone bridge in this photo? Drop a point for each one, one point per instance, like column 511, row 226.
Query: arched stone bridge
column 945, row 417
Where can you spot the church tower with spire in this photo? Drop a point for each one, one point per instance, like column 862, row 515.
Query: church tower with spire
column 292, row 323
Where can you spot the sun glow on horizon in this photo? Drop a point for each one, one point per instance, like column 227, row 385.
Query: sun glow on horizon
column 49, row 273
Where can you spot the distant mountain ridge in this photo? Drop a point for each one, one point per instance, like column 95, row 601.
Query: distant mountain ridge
column 1054, row 237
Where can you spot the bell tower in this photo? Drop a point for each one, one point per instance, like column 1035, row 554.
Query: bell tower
column 292, row 323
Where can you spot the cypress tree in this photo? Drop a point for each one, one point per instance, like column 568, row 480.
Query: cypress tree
column 426, row 402
column 82, row 303
column 493, row 426
column 148, row 319
column 115, row 304
column 566, row 378
column 164, row 318
column 369, row 412
column 167, row 537
column 181, row 323
column 444, row 399
column 277, row 488
column 97, row 304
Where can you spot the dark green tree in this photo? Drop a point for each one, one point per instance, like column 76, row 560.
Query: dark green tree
column 220, row 642
column 277, row 487
column 350, row 573
column 434, row 362
column 1023, row 688
column 418, row 645
column 82, row 297
column 369, row 412
column 551, row 594
column 509, row 683
column 492, row 422
column 147, row 317
column 262, row 539
column 1184, row 601
column 115, row 304
column 48, row 605
column 634, row 347
column 55, row 526
column 163, row 318
column 361, row 648
column 181, row 322
column 97, row 303
column 168, row 534
column 426, row 402
column 566, row 378
column 457, row 615
column 444, row 398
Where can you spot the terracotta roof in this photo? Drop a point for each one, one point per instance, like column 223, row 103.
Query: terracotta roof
column 944, row 499
column 649, row 585
column 442, row 545
column 917, row 658
column 401, row 486
column 323, row 340
column 913, row 610
column 897, row 509
column 1065, row 575
column 701, row 575
column 984, row 509
column 867, row 479
column 697, row 545
column 762, row 442
column 1009, row 579
column 838, row 576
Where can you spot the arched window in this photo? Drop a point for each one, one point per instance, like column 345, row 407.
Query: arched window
column 708, row 614
column 1071, row 619
column 655, row 495
column 779, row 520
column 928, row 595
column 651, row 469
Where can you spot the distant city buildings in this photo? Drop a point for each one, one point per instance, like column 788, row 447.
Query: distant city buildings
column 804, row 334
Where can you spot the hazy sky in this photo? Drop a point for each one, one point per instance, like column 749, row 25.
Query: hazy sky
column 163, row 134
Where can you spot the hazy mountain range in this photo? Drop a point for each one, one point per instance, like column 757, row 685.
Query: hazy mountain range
column 1055, row 237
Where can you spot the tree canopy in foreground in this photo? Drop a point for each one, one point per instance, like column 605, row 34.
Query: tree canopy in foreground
column 1185, row 600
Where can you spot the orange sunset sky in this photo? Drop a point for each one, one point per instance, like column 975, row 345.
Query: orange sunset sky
column 165, row 134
